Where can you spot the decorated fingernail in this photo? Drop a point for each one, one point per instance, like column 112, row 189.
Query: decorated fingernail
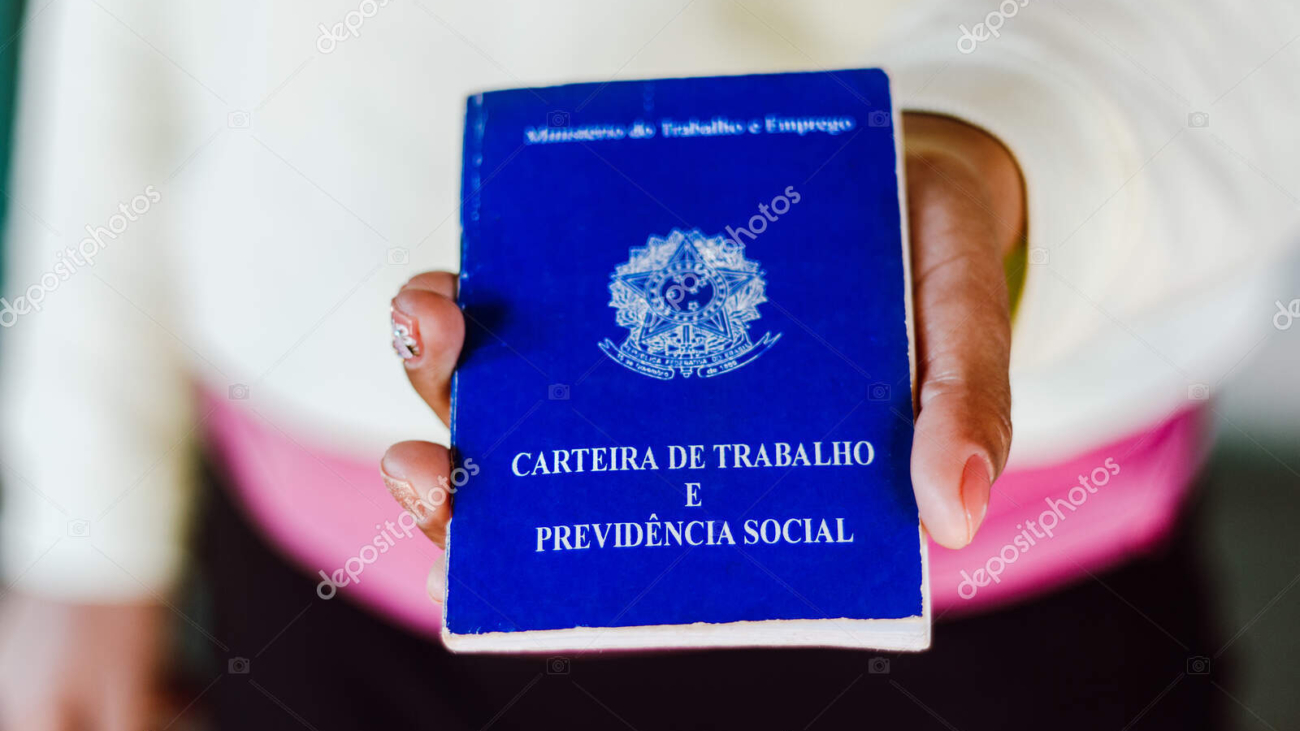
column 404, row 493
column 406, row 334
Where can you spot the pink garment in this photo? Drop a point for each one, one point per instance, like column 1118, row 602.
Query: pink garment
column 322, row 511
column 333, row 515
column 1133, row 502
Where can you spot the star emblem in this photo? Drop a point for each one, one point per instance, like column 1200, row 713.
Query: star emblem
column 687, row 301
column 686, row 292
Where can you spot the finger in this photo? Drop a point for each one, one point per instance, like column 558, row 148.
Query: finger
column 428, row 331
column 436, row 584
column 416, row 475
column 963, row 331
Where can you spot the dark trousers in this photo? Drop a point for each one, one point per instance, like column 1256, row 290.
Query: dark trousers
column 1116, row 652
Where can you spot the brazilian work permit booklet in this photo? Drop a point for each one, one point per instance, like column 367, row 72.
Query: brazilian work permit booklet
column 688, row 372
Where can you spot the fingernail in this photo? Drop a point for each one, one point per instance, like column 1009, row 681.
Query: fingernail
column 406, row 334
column 976, row 482
column 406, row 496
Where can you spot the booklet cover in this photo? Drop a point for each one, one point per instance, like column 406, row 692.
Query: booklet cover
column 687, row 378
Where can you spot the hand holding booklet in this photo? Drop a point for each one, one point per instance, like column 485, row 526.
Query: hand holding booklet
column 688, row 372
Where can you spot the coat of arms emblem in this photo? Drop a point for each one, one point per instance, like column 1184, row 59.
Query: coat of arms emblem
column 687, row 301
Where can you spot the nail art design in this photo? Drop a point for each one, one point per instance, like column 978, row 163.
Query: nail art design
column 405, row 494
column 406, row 335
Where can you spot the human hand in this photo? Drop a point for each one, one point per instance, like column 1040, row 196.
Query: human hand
column 965, row 200
column 78, row 666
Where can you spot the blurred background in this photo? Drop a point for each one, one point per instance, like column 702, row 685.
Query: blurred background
column 1252, row 497
column 1247, row 524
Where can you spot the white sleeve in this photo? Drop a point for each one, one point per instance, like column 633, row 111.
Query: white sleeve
column 97, row 429
column 1157, row 142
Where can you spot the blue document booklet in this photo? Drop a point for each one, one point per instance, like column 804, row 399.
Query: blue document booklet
column 687, row 382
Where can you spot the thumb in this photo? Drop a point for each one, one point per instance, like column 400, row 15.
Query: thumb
column 963, row 332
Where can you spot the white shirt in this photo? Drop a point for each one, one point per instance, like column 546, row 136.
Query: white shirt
column 292, row 184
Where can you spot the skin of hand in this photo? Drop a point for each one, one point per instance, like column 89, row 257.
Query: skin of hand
column 67, row 666
column 965, row 210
